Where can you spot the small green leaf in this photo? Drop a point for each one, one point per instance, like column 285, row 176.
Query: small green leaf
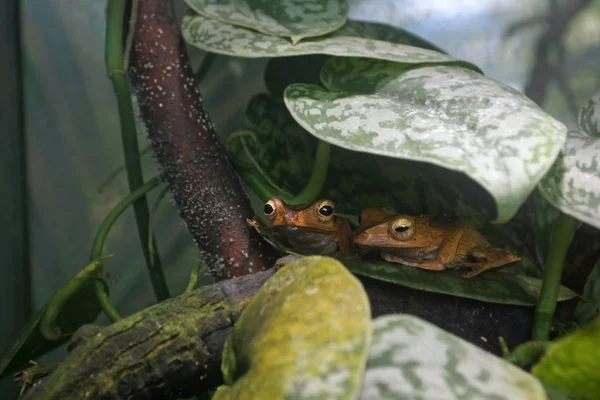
column 588, row 307
column 589, row 116
column 443, row 115
column 81, row 309
column 573, row 363
column 295, row 19
column 573, row 183
column 492, row 286
column 306, row 334
column 217, row 37
column 413, row 359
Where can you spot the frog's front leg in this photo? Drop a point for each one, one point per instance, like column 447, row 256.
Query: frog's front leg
column 445, row 255
column 346, row 247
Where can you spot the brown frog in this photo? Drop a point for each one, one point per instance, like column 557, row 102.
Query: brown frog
column 429, row 243
column 307, row 229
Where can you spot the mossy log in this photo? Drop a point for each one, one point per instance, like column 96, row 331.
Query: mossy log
column 167, row 351
column 173, row 349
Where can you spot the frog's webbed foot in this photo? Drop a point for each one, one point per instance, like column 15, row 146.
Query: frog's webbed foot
column 487, row 259
column 431, row 265
column 285, row 260
column 253, row 223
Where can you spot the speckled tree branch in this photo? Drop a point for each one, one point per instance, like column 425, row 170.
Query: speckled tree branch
column 201, row 177
column 167, row 351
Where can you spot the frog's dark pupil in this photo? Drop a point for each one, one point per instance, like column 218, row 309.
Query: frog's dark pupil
column 401, row 228
column 268, row 209
column 326, row 210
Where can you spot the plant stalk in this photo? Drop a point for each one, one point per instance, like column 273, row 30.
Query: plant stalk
column 114, row 58
column 528, row 353
column 564, row 230
column 103, row 232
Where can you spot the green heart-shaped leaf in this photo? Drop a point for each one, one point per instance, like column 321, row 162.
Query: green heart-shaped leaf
column 306, row 334
column 491, row 286
column 572, row 363
column 589, row 306
column 413, row 359
column 285, row 18
column 217, row 37
column 444, row 115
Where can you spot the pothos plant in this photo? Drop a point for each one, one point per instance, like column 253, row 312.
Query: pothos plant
column 370, row 115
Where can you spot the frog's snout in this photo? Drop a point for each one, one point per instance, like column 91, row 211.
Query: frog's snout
column 361, row 237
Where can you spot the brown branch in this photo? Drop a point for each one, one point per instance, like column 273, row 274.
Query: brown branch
column 543, row 71
column 170, row 350
column 208, row 194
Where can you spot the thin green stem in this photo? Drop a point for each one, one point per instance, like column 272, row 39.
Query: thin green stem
column 114, row 65
column 130, row 34
column 503, row 346
column 315, row 184
column 48, row 328
column 528, row 353
column 103, row 232
column 563, row 232
column 207, row 62
column 194, row 276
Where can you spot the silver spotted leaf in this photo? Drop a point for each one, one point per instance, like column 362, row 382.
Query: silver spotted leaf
column 589, row 116
column 573, row 183
column 295, row 19
column 412, row 359
column 283, row 71
column 216, row 37
column 493, row 286
column 443, row 115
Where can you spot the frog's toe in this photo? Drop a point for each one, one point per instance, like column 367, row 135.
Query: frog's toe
column 473, row 272
column 285, row 260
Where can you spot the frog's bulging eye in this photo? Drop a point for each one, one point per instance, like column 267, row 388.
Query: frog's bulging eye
column 325, row 209
column 269, row 208
column 402, row 229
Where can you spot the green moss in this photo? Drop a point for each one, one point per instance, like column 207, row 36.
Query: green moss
column 305, row 334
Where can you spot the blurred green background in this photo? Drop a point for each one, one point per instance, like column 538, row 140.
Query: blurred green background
column 56, row 101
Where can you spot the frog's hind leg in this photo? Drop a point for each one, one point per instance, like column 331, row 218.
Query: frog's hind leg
column 432, row 265
column 487, row 259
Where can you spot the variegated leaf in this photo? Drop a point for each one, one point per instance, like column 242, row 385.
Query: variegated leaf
column 283, row 153
column 589, row 116
column 573, row 183
column 283, row 71
column 573, row 363
column 444, row 115
column 295, row 19
column 305, row 335
column 413, row 359
column 217, row 37
column 492, row 286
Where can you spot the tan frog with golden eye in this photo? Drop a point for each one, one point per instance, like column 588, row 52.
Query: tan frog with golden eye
column 308, row 229
column 429, row 243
